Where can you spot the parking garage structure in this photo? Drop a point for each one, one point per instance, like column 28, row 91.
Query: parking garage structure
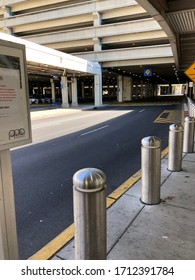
column 126, row 38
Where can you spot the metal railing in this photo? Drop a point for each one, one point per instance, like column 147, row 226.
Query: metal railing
column 191, row 107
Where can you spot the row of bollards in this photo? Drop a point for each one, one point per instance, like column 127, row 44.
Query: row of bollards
column 180, row 140
column 89, row 189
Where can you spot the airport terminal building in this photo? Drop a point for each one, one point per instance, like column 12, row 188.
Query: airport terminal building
column 139, row 45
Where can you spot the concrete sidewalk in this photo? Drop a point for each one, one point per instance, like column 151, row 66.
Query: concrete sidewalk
column 164, row 231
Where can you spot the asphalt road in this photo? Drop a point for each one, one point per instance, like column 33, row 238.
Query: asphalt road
column 108, row 139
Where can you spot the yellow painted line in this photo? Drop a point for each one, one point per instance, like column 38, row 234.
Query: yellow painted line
column 59, row 241
column 159, row 117
column 54, row 245
column 174, row 116
column 64, row 237
column 125, row 186
column 145, row 103
column 109, row 202
column 164, row 152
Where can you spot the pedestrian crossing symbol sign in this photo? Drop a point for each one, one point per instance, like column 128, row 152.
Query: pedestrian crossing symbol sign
column 147, row 72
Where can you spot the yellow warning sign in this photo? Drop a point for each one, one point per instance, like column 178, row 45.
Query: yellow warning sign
column 190, row 72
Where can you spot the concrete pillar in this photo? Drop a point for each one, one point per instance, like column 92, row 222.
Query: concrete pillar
column 155, row 90
column 98, row 89
column 7, row 12
column 126, row 89
column 96, row 19
column 97, row 22
column 146, row 89
column 91, row 90
column 97, row 46
column 64, row 89
column 130, row 88
column 74, row 92
column 142, row 89
column 170, row 89
column 83, row 90
column 7, row 30
column 151, row 89
column 53, row 97
column 136, row 89
column 120, row 88
column 108, row 89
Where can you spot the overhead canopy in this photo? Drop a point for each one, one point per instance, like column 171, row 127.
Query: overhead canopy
column 44, row 60
column 177, row 18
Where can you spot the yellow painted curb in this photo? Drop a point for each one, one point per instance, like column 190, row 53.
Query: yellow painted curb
column 125, row 186
column 59, row 241
column 54, row 245
column 64, row 237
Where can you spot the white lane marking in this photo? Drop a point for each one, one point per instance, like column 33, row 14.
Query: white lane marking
column 94, row 130
column 142, row 110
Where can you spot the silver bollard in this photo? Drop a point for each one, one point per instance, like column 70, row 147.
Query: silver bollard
column 89, row 195
column 175, row 147
column 151, row 170
column 188, row 140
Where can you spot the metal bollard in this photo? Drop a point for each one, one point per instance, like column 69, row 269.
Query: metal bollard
column 188, row 140
column 175, row 147
column 89, row 195
column 151, row 170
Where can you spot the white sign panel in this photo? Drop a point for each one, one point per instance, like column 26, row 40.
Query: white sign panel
column 15, row 127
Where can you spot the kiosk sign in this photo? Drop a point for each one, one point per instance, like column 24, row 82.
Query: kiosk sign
column 15, row 127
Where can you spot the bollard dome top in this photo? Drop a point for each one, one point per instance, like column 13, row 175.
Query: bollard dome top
column 151, row 142
column 89, row 180
column 177, row 127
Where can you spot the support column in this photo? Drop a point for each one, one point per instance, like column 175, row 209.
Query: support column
column 7, row 30
column 131, row 89
column 53, row 97
column 98, row 89
column 142, row 89
column 7, row 13
column 92, row 90
column 83, row 90
column 155, row 89
column 96, row 19
column 8, row 231
column 120, row 89
column 151, row 89
column 74, row 92
column 127, row 88
column 97, row 46
column 97, row 22
column 64, row 89
column 136, row 89
column 146, row 89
